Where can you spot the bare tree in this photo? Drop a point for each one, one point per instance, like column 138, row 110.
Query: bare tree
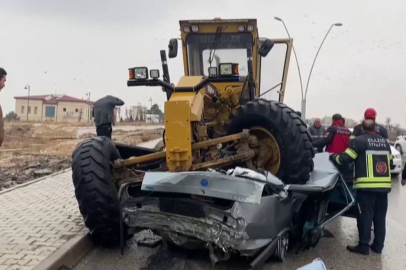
column 388, row 123
column 398, row 129
column 127, row 114
column 80, row 115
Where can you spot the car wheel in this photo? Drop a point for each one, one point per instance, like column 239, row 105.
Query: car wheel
column 282, row 247
column 399, row 148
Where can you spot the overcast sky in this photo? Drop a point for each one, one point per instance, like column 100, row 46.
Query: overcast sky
column 73, row 47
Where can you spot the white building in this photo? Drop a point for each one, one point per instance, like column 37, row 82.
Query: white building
column 152, row 118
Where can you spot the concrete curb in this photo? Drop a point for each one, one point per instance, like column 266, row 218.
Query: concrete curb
column 69, row 254
column 33, row 181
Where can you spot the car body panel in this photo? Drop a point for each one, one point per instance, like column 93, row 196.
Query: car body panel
column 211, row 184
column 397, row 161
column 401, row 143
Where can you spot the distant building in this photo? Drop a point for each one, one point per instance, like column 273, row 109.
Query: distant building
column 152, row 118
column 138, row 112
column 58, row 108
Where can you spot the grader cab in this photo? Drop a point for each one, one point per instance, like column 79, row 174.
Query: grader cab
column 226, row 112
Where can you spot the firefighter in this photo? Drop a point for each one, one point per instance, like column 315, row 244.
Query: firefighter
column 103, row 113
column 371, row 154
column 336, row 138
column 370, row 113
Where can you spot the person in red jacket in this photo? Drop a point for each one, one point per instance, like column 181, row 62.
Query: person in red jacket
column 336, row 138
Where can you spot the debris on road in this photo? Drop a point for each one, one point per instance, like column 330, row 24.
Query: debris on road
column 147, row 238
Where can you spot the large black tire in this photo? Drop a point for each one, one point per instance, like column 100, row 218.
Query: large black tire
column 289, row 130
column 95, row 190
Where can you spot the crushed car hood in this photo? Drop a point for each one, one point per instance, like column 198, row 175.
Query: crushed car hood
column 212, row 184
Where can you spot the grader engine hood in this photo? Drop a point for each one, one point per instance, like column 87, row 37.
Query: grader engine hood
column 182, row 109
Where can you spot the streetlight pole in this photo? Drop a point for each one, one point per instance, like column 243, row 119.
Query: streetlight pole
column 88, row 106
column 294, row 52
column 317, row 54
column 27, row 87
column 304, row 95
column 311, row 69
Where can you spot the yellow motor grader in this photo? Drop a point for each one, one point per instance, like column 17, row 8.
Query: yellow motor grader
column 215, row 116
column 226, row 111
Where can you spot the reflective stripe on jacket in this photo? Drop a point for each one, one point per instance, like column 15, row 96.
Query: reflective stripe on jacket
column 372, row 156
column 317, row 133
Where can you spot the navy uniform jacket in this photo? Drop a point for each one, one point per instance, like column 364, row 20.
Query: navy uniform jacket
column 372, row 156
column 381, row 130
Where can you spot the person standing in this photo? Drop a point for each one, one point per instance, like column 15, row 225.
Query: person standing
column 370, row 113
column 3, row 75
column 404, row 176
column 103, row 113
column 371, row 154
column 337, row 137
column 317, row 132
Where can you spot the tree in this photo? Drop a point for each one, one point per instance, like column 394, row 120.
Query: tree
column 121, row 119
column 80, row 115
column 398, row 129
column 12, row 116
column 156, row 110
column 388, row 123
column 131, row 118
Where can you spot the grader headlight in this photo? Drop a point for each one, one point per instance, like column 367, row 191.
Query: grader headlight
column 154, row 74
column 228, row 69
column 138, row 73
column 212, row 72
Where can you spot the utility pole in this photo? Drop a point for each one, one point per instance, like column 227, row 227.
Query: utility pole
column 150, row 99
column 27, row 87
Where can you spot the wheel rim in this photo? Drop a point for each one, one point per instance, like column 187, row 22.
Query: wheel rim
column 283, row 245
column 269, row 154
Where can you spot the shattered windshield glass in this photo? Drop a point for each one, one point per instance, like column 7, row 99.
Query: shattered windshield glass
column 226, row 48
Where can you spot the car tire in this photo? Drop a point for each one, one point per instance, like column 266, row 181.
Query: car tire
column 95, row 190
column 289, row 131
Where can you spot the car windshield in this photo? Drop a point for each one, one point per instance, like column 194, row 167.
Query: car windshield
column 230, row 48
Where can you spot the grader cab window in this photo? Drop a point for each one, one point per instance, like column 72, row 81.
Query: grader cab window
column 225, row 48
column 272, row 71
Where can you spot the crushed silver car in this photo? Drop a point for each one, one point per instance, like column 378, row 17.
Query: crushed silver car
column 238, row 211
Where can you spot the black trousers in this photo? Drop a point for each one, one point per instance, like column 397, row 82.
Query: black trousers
column 104, row 130
column 372, row 208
